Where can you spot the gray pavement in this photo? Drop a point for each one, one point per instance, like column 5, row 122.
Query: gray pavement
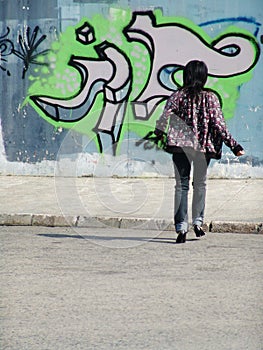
column 92, row 288
column 143, row 203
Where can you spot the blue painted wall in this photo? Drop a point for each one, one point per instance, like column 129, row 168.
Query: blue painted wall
column 33, row 144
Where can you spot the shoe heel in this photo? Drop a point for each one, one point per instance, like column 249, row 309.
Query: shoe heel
column 198, row 231
column 181, row 238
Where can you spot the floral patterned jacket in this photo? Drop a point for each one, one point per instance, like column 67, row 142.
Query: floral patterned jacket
column 199, row 125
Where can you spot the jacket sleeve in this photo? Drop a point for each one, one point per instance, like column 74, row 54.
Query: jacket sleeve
column 169, row 109
column 219, row 125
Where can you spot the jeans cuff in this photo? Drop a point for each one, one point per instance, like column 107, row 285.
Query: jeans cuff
column 183, row 226
column 198, row 222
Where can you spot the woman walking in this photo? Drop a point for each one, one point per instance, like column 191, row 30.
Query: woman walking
column 196, row 131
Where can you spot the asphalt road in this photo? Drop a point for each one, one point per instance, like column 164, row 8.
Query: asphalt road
column 129, row 289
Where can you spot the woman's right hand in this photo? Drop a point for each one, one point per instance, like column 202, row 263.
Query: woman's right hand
column 158, row 133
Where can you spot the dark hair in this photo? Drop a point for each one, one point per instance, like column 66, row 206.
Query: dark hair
column 195, row 76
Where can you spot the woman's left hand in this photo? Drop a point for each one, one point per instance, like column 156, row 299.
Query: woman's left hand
column 240, row 153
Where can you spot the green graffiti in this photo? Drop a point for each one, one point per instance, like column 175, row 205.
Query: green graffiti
column 62, row 81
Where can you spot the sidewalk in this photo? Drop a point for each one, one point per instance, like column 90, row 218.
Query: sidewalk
column 143, row 203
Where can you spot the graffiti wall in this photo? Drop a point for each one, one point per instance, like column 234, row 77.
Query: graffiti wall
column 84, row 81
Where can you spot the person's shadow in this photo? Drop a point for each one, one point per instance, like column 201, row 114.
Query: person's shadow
column 167, row 240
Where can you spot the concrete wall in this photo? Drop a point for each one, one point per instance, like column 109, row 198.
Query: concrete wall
column 83, row 80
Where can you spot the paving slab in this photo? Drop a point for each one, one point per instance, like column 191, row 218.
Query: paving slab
column 125, row 202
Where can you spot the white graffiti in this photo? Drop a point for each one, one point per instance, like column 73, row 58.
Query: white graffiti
column 109, row 74
column 96, row 75
column 170, row 47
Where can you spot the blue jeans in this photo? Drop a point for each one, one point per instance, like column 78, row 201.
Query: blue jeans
column 182, row 168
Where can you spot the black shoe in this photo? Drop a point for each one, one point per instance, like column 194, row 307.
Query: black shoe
column 198, row 231
column 181, row 237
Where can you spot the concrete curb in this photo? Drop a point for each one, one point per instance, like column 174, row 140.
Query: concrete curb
column 238, row 227
column 49, row 220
